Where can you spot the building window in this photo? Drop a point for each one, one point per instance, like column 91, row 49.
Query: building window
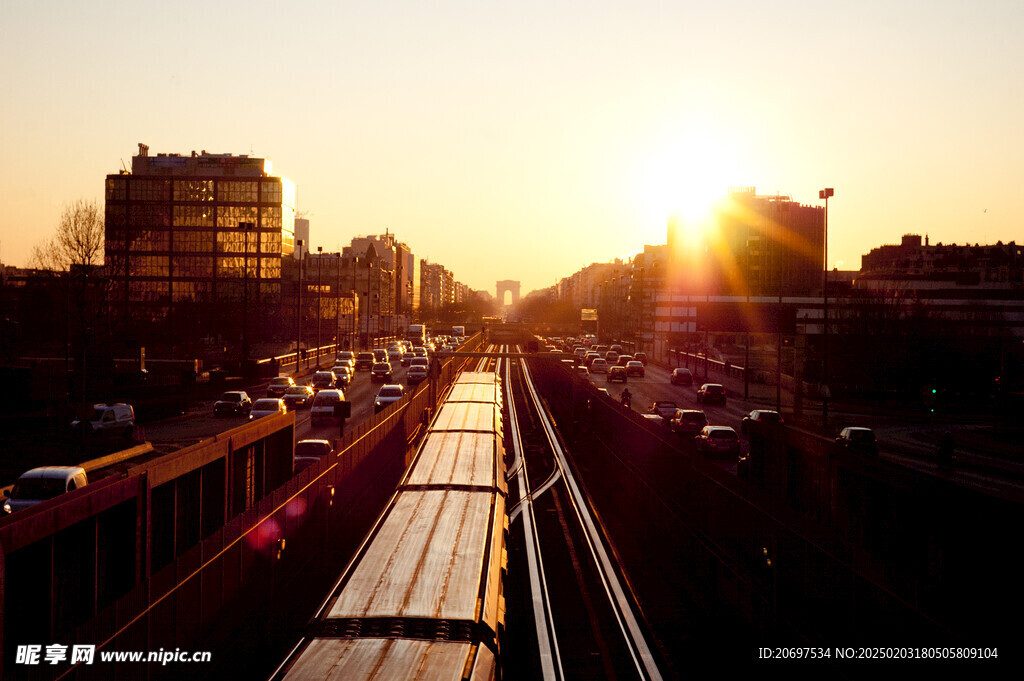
column 117, row 189
column 193, row 216
column 142, row 215
column 230, row 216
column 149, row 240
column 271, row 191
column 193, row 266
column 193, row 242
column 191, row 291
column 270, row 218
column 232, row 268
column 270, row 268
column 148, row 266
column 237, row 242
column 147, row 291
column 149, row 190
column 193, row 190
column 271, row 243
column 231, row 191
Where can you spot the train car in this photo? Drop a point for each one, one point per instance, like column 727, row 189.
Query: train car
column 423, row 597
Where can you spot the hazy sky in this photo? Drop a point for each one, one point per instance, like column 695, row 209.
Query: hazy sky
column 523, row 140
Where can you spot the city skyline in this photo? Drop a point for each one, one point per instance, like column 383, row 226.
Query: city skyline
column 542, row 138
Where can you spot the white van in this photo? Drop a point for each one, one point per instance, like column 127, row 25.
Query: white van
column 109, row 419
column 40, row 484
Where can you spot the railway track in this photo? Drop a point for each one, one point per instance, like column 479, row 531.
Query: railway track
column 583, row 622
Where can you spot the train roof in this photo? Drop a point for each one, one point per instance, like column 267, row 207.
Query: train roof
column 460, row 458
column 437, row 553
column 475, row 392
column 471, row 416
column 477, row 377
column 341, row 659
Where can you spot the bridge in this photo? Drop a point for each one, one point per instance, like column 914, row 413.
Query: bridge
column 218, row 547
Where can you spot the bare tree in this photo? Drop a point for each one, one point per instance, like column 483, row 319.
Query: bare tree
column 78, row 241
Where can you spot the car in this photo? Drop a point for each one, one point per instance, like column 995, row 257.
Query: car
column 416, row 374
column 40, row 484
column 611, row 357
column 598, row 366
column 583, row 372
column 664, row 408
column 623, row 360
column 858, row 439
column 266, row 406
column 655, row 418
column 346, row 357
column 309, row 452
column 299, row 397
column 380, row 355
column 381, row 371
column 395, row 355
column 279, row 385
column 234, row 402
column 714, row 440
column 364, row 361
column 617, row 373
column 711, row 393
column 344, row 376
column 107, row 419
column 640, row 356
column 635, row 368
column 387, row 395
column 681, row 376
column 323, row 380
column 580, row 353
column 760, row 417
column 323, row 406
column 617, row 348
column 688, row 422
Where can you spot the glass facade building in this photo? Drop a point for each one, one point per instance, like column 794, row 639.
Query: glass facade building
column 186, row 234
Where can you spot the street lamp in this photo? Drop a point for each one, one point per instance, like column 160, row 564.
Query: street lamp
column 298, row 311
column 825, row 194
column 245, row 228
column 319, row 305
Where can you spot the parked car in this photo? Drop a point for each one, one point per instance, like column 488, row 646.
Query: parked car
column 308, row 452
column 711, row 393
column 299, row 397
column 617, row 373
column 688, row 422
column 640, row 356
column 598, row 366
column 323, row 380
column 323, row 406
column 381, row 371
column 364, row 361
column 388, row 394
column 715, row 440
column 858, row 439
column 663, row 408
column 635, row 368
column 106, row 420
column 279, row 385
column 234, row 402
column 40, row 484
column 762, row 417
column 267, row 406
column 681, row 376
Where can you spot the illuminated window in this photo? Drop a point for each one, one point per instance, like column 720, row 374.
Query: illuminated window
column 270, row 268
column 235, row 242
column 271, row 191
column 193, row 190
column 230, row 216
column 270, row 217
column 193, row 216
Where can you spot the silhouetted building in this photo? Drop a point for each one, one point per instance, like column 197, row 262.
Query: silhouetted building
column 179, row 248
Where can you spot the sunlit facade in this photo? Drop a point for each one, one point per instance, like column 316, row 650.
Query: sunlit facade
column 175, row 250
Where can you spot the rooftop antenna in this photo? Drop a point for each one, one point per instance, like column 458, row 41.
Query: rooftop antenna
column 123, row 167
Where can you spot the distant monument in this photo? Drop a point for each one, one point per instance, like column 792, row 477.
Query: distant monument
column 508, row 285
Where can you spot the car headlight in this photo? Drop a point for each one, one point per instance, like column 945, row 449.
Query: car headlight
column 7, row 507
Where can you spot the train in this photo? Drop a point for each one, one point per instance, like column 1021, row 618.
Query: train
column 423, row 597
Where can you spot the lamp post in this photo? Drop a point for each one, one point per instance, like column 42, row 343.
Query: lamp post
column 245, row 228
column 319, row 306
column 298, row 311
column 825, row 194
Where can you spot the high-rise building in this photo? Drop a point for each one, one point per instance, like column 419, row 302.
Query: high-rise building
column 188, row 238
